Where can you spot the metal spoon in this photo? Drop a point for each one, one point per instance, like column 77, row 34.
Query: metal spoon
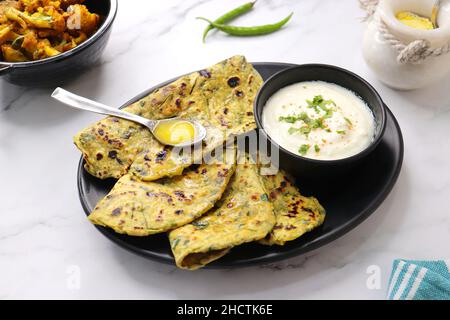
column 435, row 13
column 82, row 103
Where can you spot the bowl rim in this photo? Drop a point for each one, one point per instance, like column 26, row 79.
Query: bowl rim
column 103, row 28
column 363, row 153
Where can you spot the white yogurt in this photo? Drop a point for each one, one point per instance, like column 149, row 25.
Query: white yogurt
column 340, row 126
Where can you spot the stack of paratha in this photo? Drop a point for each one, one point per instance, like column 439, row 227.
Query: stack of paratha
column 206, row 200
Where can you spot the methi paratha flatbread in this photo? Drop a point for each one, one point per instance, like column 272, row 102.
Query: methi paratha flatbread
column 243, row 215
column 110, row 146
column 295, row 214
column 220, row 97
column 140, row 208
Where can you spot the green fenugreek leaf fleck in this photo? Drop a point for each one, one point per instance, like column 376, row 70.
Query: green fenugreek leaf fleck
column 175, row 243
column 200, row 224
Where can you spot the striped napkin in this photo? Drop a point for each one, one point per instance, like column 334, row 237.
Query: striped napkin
column 420, row 280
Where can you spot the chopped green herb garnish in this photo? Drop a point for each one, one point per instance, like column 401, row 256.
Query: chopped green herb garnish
column 264, row 197
column 316, row 148
column 341, row 131
column 288, row 119
column 294, row 118
column 328, row 114
column 303, row 130
column 317, row 123
column 311, row 104
column 319, row 102
column 318, row 99
column 348, row 121
column 304, row 149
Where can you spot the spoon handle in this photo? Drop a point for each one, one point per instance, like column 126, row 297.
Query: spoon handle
column 78, row 102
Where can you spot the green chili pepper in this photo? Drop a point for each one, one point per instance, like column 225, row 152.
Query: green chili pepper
column 249, row 31
column 236, row 12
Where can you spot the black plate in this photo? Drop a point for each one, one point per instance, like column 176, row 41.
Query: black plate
column 348, row 203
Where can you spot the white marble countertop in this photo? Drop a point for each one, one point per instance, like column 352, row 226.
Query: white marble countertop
column 45, row 239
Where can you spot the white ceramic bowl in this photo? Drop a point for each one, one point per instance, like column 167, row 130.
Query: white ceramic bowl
column 382, row 57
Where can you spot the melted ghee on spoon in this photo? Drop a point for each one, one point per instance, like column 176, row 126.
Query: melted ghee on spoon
column 175, row 132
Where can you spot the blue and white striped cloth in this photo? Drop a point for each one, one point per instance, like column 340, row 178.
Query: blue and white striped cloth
column 420, row 280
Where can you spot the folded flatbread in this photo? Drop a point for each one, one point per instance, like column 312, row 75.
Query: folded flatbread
column 244, row 214
column 141, row 208
column 295, row 214
column 220, row 97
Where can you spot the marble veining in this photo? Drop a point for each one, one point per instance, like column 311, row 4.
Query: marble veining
column 49, row 250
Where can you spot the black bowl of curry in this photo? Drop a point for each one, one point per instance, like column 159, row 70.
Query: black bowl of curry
column 45, row 42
